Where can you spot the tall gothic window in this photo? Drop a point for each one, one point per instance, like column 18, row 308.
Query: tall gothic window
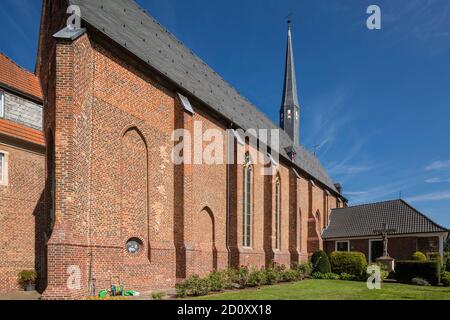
column 278, row 213
column 247, row 203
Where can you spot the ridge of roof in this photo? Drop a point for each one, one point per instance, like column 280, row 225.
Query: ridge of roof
column 367, row 204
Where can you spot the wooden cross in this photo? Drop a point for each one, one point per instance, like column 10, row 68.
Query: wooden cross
column 384, row 232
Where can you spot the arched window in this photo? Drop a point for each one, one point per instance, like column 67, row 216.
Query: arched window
column 247, row 203
column 278, row 213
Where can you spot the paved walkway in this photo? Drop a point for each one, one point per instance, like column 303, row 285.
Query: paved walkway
column 20, row 295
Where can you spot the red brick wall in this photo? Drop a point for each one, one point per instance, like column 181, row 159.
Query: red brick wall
column 400, row 248
column 21, row 208
column 112, row 124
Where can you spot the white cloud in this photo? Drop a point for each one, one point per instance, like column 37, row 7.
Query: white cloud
column 437, row 180
column 438, row 165
column 436, row 196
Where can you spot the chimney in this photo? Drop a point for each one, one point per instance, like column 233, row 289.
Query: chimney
column 338, row 187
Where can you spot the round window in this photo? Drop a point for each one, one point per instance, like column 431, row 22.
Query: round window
column 134, row 245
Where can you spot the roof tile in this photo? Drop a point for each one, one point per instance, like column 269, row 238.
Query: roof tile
column 17, row 78
column 361, row 221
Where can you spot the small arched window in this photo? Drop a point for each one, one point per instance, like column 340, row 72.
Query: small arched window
column 247, row 201
column 278, row 213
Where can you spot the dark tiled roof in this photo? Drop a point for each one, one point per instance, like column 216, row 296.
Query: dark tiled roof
column 132, row 28
column 363, row 220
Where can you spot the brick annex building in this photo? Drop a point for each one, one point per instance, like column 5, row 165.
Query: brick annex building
column 107, row 197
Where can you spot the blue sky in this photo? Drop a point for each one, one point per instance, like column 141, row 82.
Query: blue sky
column 376, row 102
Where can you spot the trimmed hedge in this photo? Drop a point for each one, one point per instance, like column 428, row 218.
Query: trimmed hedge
column 353, row 263
column 405, row 271
column 320, row 262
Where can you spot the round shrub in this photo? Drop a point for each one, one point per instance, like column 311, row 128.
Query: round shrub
column 304, row 269
column 291, row 275
column 193, row 286
column 320, row 262
column 217, row 281
column 445, row 278
column 256, row 278
column 353, row 263
column 272, row 276
column 418, row 256
column 420, row 282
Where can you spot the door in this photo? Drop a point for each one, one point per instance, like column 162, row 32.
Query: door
column 376, row 249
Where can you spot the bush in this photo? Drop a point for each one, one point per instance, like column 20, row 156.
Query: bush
column 27, row 277
column 407, row 270
column 348, row 277
column 193, row 286
column 325, row 276
column 291, row 275
column 320, row 262
column 305, row 269
column 353, row 263
column 420, row 282
column 256, row 278
column 445, row 278
column 238, row 276
column 158, row 295
column 272, row 275
column 447, row 265
column 418, row 256
column 218, row 280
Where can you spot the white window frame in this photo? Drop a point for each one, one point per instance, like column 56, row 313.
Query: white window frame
column 4, row 168
column 2, row 104
column 342, row 241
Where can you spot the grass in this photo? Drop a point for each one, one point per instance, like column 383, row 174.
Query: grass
column 336, row 290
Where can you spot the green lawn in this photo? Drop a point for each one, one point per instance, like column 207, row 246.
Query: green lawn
column 336, row 290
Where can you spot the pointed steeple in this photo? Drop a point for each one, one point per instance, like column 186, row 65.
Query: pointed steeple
column 290, row 107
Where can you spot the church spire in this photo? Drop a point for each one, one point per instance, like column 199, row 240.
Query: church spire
column 290, row 107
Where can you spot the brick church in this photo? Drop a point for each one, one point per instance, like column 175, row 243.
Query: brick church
column 104, row 198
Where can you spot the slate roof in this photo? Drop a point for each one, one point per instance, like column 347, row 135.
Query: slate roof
column 360, row 221
column 14, row 77
column 124, row 22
